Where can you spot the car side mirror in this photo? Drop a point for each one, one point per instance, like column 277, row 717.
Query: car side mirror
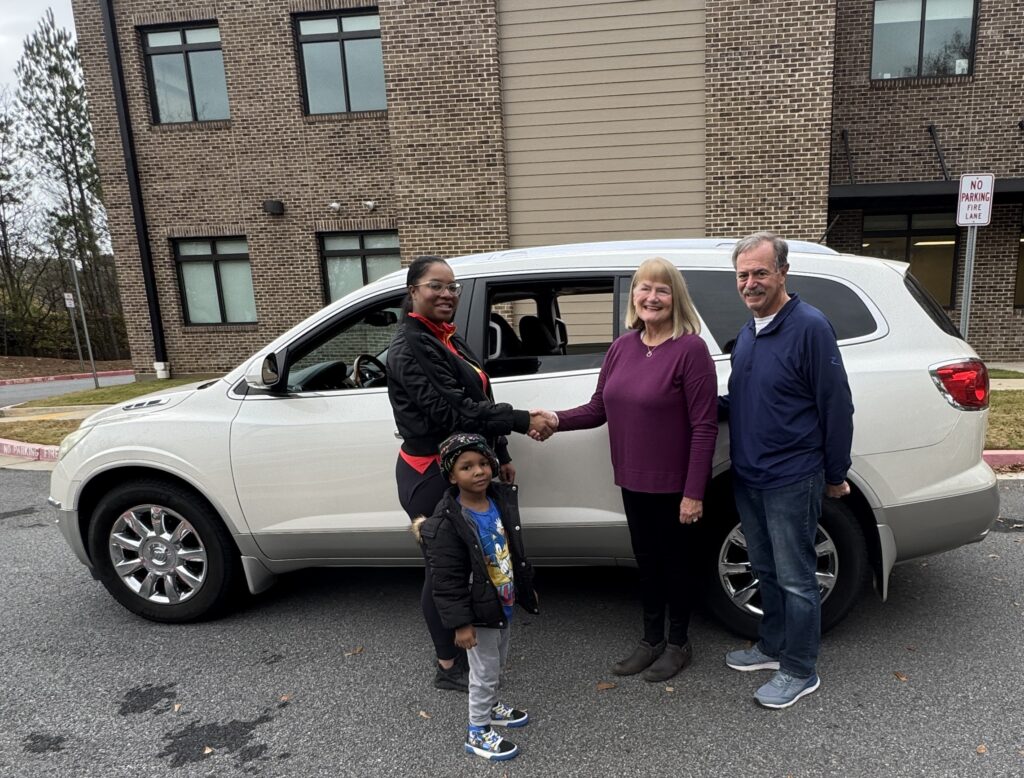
column 266, row 373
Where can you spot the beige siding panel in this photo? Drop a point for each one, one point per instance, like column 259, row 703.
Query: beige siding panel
column 543, row 5
column 583, row 26
column 680, row 124
column 602, row 61
column 528, row 186
column 694, row 164
column 669, row 229
column 638, row 137
column 681, row 33
column 603, row 108
column 652, row 197
column 526, row 12
column 664, row 74
column 554, row 193
column 523, row 122
column 565, row 55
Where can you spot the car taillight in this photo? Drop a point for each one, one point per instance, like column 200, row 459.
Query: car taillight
column 963, row 384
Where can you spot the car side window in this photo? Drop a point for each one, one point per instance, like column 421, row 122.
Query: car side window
column 714, row 294
column 550, row 326
column 347, row 354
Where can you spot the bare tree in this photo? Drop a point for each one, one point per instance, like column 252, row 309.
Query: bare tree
column 24, row 268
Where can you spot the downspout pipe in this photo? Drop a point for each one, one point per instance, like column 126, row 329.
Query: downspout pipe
column 134, row 187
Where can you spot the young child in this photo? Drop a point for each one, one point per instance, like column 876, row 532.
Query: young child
column 475, row 547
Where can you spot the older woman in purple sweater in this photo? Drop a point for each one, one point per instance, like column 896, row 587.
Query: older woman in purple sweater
column 658, row 391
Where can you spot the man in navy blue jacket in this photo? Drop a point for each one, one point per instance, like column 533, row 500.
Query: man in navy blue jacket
column 790, row 430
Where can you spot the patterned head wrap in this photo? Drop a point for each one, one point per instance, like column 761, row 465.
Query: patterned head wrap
column 465, row 441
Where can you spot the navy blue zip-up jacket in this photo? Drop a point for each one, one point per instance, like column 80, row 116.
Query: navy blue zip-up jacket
column 789, row 407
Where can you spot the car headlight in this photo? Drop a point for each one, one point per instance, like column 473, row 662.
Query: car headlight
column 71, row 441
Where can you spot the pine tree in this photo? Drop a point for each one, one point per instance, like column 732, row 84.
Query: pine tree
column 57, row 134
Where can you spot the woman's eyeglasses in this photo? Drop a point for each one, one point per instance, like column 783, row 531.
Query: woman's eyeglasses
column 454, row 288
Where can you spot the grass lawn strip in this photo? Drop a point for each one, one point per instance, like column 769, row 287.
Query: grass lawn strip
column 997, row 373
column 108, row 395
column 1006, row 420
column 47, row 432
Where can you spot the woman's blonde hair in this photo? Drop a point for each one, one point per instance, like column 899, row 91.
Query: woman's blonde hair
column 661, row 271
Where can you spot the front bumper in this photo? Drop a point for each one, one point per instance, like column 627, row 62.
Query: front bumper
column 67, row 522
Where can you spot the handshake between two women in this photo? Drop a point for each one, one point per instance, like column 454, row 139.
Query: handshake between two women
column 542, row 424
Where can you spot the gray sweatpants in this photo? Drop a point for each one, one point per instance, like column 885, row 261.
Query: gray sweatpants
column 486, row 662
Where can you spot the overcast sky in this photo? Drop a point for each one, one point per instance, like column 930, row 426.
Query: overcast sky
column 18, row 18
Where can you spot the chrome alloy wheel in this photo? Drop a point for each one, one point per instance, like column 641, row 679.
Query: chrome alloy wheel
column 741, row 584
column 158, row 554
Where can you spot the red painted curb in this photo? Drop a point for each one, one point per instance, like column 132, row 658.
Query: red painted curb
column 69, row 377
column 37, row 451
column 998, row 457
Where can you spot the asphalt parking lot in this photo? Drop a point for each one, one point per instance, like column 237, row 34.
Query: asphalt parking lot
column 328, row 674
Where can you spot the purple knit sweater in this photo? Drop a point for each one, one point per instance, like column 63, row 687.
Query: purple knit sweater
column 661, row 412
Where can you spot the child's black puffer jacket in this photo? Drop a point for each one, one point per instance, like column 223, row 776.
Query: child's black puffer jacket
column 463, row 590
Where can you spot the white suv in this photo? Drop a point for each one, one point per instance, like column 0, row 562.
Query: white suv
column 288, row 461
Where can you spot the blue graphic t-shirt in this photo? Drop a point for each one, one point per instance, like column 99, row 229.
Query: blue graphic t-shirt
column 495, row 548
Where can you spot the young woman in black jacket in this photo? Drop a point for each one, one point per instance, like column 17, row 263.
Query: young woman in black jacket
column 437, row 387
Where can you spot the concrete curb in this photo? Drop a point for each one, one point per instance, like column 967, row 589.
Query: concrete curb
column 37, row 451
column 69, row 377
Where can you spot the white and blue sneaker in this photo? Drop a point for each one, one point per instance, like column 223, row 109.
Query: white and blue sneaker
column 485, row 742
column 784, row 689
column 752, row 658
column 503, row 715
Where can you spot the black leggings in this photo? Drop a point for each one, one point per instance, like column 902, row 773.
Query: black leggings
column 665, row 554
column 419, row 495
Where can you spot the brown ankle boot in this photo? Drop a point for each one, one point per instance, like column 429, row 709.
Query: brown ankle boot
column 641, row 658
column 674, row 659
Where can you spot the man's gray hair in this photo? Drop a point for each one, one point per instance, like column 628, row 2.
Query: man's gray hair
column 753, row 241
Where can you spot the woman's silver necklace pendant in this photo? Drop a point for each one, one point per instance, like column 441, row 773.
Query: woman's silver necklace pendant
column 650, row 349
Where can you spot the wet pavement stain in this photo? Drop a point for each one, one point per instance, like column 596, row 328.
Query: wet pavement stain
column 271, row 659
column 187, row 745
column 20, row 512
column 1004, row 524
column 148, row 698
column 38, row 743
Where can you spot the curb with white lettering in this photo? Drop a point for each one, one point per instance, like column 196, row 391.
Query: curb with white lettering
column 37, row 451
column 68, row 377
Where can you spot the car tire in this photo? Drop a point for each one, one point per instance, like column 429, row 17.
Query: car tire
column 843, row 555
column 163, row 552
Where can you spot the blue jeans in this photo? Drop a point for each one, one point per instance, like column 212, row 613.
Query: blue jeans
column 779, row 526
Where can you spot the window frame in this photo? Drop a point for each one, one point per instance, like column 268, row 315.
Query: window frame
column 480, row 308
column 909, row 233
column 325, row 37
column 920, row 49
column 215, row 258
column 185, row 49
column 361, row 253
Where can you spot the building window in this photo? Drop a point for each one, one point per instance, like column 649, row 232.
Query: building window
column 186, row 74
column 1018, row 293
column 928, row 241
column 352, row 260
column 922, row 38
column 216, row 281
column 342, row 68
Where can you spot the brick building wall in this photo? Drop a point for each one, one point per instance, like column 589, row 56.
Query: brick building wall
column 443, row 190
column 976, row 118
column 769, row 105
